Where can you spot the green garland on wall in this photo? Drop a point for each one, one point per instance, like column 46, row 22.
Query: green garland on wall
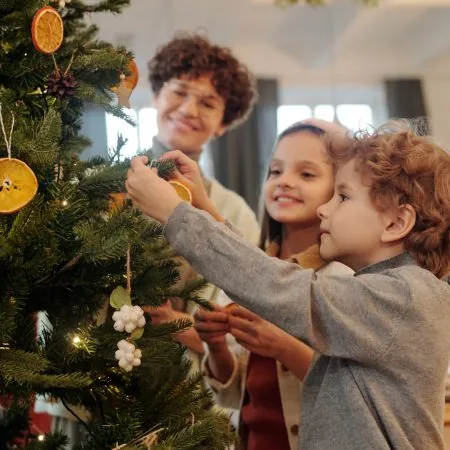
column 321, row 2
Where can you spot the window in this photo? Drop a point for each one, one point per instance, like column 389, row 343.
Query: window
column 289, row 114
column 354, row 117
column 116, row 126
column 141, row 136
column 147, row 127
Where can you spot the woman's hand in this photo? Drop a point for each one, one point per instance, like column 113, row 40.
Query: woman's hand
column 212, row 326
column 189, row 174
column 265, row 339
column 256, row 334
column 164, row 313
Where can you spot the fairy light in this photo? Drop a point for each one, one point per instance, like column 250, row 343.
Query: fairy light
column 41, row 437
column 76, row 340
column 64, row 203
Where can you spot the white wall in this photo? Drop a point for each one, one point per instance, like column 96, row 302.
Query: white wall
column 437, row 98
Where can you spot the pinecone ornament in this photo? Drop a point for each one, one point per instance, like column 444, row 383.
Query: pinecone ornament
column 61, row 85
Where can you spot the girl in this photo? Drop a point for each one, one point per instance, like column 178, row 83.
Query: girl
column 262, row 375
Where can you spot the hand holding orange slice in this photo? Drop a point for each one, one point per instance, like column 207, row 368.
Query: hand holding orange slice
column 183, row 192
column 230, row 308
column 18, row 185
column 47, row 30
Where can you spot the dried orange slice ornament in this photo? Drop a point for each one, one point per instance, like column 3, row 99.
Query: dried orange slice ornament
column 183, row 192
column 116, row 200
column 47, row 30
column 18, row 185
column 127, row 84
column 131, row 80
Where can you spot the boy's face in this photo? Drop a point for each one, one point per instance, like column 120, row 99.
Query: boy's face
column 351, row 227
column 189, row 113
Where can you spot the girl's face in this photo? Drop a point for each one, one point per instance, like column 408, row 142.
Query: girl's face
column 301, row 178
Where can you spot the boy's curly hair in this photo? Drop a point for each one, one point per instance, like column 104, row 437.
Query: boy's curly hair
column 193, row 55
column 403, row 167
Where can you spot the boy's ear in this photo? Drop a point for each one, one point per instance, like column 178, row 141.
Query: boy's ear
column 399, row 223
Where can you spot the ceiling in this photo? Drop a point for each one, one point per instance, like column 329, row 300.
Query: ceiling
column 339, row 43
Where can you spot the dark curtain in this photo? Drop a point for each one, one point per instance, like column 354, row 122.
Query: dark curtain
column 240, row 155
column 405, row 99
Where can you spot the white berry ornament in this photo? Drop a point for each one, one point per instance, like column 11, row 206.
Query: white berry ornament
column 128, row 318
column 128, row 355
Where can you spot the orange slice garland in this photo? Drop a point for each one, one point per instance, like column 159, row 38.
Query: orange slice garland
column 18, row 185
column 183, row 192
column 47, row 30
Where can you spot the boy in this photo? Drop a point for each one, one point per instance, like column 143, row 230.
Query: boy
column 382, row 336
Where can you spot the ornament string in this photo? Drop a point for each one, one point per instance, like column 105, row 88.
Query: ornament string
column 128, row 270
column 8, row 140
column 55, row 63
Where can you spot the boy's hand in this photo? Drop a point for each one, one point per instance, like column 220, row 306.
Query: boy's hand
column 212, row 326
column 189, row 174
column 155, row 196
column 256, row 334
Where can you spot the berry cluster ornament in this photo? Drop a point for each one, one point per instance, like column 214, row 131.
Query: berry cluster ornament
column 128, row 355
column 128, row 318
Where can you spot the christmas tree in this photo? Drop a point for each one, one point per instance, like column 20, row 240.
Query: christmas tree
column 71, row 246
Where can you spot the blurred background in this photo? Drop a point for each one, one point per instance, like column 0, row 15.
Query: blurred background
column 344, row 61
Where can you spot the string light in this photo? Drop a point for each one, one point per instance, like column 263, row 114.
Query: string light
column 76, row 340
column 64, row 203
column 41, row 437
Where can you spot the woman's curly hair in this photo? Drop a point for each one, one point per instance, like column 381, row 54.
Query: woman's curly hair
column 193, row 55
column 402, row 167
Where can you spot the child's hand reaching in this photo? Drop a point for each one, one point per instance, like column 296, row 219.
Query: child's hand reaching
column 152, row 194
column 212, row 326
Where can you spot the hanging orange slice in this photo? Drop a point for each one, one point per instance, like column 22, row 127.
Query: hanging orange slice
column 131, row 80
column 18, row 185
column 116, row 200
column 47, row 30
column 183, row 192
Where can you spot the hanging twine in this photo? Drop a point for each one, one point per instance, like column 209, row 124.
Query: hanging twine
column 128, row 270
column 149, row 440
column 8, row 140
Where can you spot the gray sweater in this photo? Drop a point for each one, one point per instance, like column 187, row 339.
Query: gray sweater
column 383, row 336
